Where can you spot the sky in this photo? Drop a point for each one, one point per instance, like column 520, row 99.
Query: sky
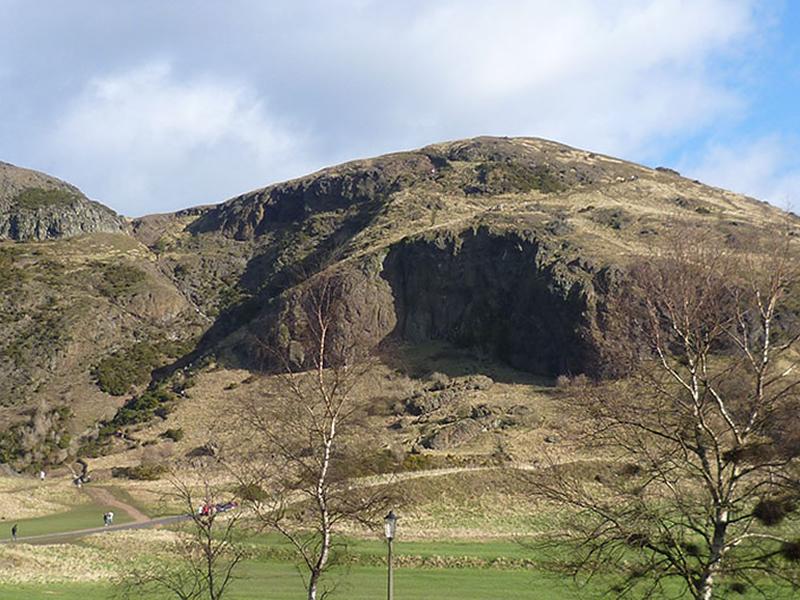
column 151, row 106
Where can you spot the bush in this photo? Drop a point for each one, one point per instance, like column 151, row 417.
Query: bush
column 771, row 512
column 119, row 279
column 155, row 402
column 791, row 551
column 251, row 492
column 144, row 472
column 497, row 178
column 176, row 435
column 417, row 462
column 35, row 198
column 94, row 448
column 117, row 373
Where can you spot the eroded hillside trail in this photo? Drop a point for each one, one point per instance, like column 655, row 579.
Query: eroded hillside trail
column 388, row 478
column 104, row 496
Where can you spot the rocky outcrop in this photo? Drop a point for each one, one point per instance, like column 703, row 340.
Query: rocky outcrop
column 358, row 185
column 36, row 207
column 453, row 435
column 505, row 293
column 443, row 393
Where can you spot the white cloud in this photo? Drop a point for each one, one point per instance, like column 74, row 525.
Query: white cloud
column 614, row 76
column 766, row 168
column 635, row 78
column 144, row 134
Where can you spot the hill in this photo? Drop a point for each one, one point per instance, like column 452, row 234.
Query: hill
column 35, row 207
column 500, row 248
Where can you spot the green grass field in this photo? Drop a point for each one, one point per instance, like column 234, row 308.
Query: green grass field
column 281, row 581
column 267, row 579
column 83, row 516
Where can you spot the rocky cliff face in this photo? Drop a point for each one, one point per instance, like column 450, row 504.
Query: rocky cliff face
column 499, row 245
column 505, row 293
column 35, row 206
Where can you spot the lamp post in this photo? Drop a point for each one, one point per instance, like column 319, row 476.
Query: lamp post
column 389, row 528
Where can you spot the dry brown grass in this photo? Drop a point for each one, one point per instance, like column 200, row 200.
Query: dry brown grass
column 98, row 558
column 24, row 563
column 25, row 498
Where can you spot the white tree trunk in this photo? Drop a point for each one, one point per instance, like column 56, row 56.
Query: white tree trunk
column 706, row 588
column 312, row 588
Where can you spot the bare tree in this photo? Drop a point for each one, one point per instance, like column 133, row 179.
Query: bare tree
column 307, row 436
column 701, row 442
column 207, row 555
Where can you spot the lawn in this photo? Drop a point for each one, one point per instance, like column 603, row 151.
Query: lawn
column 280, row 581
column 274, row 580
column 266, row 577
column 83, row 516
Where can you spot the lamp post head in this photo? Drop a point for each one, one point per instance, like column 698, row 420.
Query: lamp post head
column 390, row 525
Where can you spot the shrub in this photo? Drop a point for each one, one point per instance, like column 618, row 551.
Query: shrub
column 94, row 448
column 117, row 373
column 251, row 492
column 154, row 402
column 144, row 472
column 416, row 462
column 615, row 218
column 35, row 198
column 738, row 587
column 791, row 551
column 771, row 512
column 119, row 279
column 503, row 178
column 176, row 435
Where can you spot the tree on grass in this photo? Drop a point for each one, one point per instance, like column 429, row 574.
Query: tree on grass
column 200, row 563
column 306, row 434
column 696, row 478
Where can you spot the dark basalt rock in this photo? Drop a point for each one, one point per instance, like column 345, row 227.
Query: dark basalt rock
column 37, row 207
column 451, row 436
column 442, row 394
column 352, row 185
column 501, row 292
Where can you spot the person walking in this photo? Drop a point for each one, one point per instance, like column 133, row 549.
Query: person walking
column 14, row 533
column 41, row 475
column 110, row 517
